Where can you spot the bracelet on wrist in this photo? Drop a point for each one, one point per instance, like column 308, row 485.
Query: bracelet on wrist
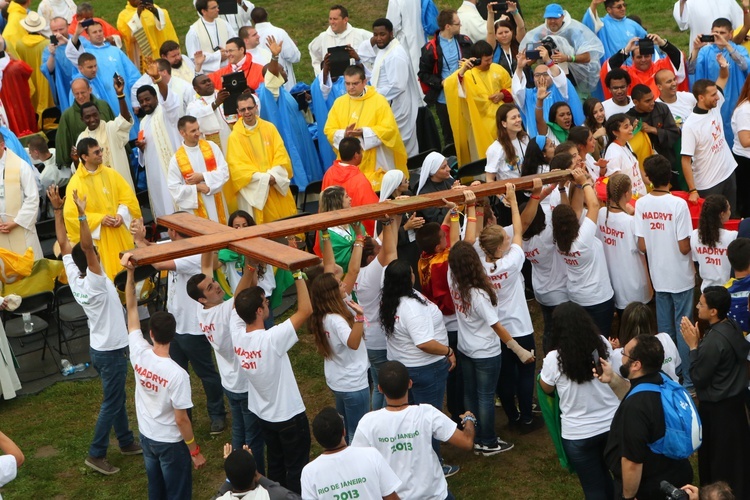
column 359, row 319
column 550, row 63
column 360, row 245
column 454, row 219
column 81, row 218
column 250, row 268
column 196, row 451
column 386, row 222
column 561, row 189
column 480, row 213
column 693, row 190
column 191, row 441
column 299, row 275
column 587, row 184
column 535, row 197
column 471, row 219
column 469, row 418
column 121, row 96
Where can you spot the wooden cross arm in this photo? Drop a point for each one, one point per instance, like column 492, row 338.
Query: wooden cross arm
column 213, row 239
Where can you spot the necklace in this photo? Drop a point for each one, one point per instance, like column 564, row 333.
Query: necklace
column 660, row 191
column 397, row 406
column 334, row 450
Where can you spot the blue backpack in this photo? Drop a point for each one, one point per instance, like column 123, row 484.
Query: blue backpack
column 683, row 433
column 429, row 18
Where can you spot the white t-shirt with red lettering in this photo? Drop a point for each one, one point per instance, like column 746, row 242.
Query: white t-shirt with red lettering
column 547, row 268
column 713, row 264
column 183, row 308
column 622, row 159
column 161, row 387
column 476, row 338
column 346, row 369
column 415, row 324
column 272, row 392
column 217, row 324
column 662, row 221
column 586, row 268
column 628, row 273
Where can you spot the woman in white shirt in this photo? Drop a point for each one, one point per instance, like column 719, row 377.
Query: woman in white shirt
column 619, row 153
column 741, row 149
column 583, row 255
column 479, row 342
column 595, row 118
column 586, row 406
column 627, row 268
column 637, row 319
column 710, row 241
column 506, row 154
column 584, row 140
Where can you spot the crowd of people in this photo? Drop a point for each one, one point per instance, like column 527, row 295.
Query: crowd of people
column 413, row 310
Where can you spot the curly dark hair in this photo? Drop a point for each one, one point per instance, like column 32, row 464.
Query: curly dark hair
column 468, row 272
column 575, row 336
column 709, row 223
column 325, row 295
column 397, row 283
column 538, row 224
column 533, row 159
column 565, row 227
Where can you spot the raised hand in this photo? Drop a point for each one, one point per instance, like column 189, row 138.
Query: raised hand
column 53, row 194
column 274, row 46
column 80, row 202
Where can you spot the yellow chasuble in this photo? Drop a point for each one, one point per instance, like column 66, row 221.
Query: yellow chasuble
column 370, row 110
column 30, row 49
column 156, row 37
column 13, row 30
column 479, row 86
column 259, row 151
column 186, row 169
column 458, row 113
column 104, row 190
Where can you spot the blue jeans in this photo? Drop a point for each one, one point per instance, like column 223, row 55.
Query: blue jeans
column 377, row 357
column 587, row 456
column 454, row 392
column 112, row 367
column 169, row 469
column 480, row 380
column 602, row 315
column 352, row 406
column 670, row 308
column 428, row 387
column 517, row 381
column 196, row 350
column 246, row 428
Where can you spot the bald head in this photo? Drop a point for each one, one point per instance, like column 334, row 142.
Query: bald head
column 81, row 90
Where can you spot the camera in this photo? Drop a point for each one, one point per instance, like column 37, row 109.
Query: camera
column 87, row 22
column 672, row 492
column 500, row 8
column 476, row 61
column 645, row 46
column 532, row 51
column 548, row 43
column 708, row 38
column 53, row 40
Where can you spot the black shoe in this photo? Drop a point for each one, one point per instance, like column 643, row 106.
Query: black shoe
column 532, row 425
column 218, row 426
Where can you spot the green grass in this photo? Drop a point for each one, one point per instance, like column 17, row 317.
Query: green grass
column 54, row 428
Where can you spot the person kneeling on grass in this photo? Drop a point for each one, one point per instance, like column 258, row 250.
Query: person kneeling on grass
column 246, row 481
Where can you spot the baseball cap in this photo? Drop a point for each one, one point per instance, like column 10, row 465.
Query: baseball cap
column 553, row 10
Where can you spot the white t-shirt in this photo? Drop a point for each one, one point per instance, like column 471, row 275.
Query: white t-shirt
column 622, row 159
column 179, row 303
column 350, row 473
column 346, row 369
column 476, row 338
column 512, row 310
column 161, row 387
column 682, row 107
column 368, row 286
column 672, row 358
column 404, row 439
column 586, row 410
column 662, row 221
column 586, row 268
column 611, row 108
column 272, row 392
column 548, row 273
column 217, row 324
column 703, row 139
column 741, row 123
column 415, row 324
column 267, row 282
column 8, row 469
column 628, row 273
column 98, row 297
column 713, row 264
column 498, row 164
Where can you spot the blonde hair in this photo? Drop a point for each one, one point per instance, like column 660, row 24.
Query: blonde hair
column 617, row 186
column 492, row 238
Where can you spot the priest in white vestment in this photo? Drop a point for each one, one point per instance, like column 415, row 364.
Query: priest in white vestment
column 197, row 174
column 209, row 35
column 177, row 86
column 207, row 108
column 406, row 16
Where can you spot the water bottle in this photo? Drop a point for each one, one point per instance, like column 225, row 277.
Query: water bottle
column 28, row 326
column 68, row 368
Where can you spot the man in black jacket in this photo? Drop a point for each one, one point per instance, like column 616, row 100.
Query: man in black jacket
column 441, row 56
column 718, row 369
column 657, row 121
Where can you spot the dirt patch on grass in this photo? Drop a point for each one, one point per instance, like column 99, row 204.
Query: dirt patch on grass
column 46, row 452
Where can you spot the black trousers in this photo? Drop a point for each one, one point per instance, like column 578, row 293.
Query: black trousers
column 288, row 450
column 445, row 123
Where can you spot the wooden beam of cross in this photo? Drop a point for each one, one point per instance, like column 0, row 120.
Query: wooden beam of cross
column 254, row 241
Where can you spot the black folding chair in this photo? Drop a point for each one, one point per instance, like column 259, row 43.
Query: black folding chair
column 39, row 306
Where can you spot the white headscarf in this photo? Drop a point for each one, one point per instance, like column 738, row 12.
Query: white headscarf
column 430, row 166
column 391, row 180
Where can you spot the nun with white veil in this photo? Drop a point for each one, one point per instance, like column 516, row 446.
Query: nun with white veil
column 435, row 176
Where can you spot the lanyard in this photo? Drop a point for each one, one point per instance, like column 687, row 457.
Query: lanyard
column 216, row 28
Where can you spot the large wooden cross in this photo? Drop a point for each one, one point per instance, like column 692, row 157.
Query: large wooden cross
column 256, row 241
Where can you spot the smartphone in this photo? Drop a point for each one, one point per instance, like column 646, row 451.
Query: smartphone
column 87, row 22
column 708, row 38
column 532, row 51
column 476, row 61
column 116, row 75
column 141, row 136
column 53, row 40
column 645, row 46
column 597, row 362
column 500, row 8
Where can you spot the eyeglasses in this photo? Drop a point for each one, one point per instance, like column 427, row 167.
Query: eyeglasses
column 628, row 356
column 245, row 110
column 620, row 6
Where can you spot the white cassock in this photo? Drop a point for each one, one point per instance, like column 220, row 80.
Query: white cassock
column 27, row 212
column 394, row 78
column 113, row 136
column 9, row 382
column 320, row 44
column 406, row 16
column 241, row 18
column 210, row 120
column 177, row 86
column 261, row 55
column 186, row 71
column 185, row 196
column 162, row 140
column 290, row 54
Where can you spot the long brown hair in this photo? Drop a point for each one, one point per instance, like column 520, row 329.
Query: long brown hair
column 744, row 93
column 565, row 227
column 468, row 273
column 325, row 296
column 502, row 133
column 490, row 239
column 709, row 223
column 617, row 186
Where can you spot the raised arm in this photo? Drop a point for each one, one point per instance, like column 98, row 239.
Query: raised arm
column 470, row 199
column 589, row 195
column 87, row 242
column 510, row 195
column 355, row 261
column 389, row 250
column 304, row 306
column 119, row 84
column 529, row 212
column 131, row 302
column 60, row 231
